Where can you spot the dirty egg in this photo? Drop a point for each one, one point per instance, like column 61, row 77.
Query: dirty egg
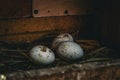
column 61, row 38
column 69, row 50
column 42, row 55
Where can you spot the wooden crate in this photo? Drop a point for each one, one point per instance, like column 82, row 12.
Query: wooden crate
column 19, row 27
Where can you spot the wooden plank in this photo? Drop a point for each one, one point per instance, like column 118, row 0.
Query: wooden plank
column 104, row 71
column 42, row 8
column 15, row 8
column 37, row 24
column 29, row 29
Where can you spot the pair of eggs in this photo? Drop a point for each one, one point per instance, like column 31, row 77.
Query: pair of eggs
column 64, row 46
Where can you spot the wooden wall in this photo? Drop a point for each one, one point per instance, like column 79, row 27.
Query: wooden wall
column 102, row 24
column 43, row 8
column 29, row 29
column 18, row 25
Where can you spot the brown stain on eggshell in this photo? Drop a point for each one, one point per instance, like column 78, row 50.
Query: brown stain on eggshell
column 64, row 46
column 44, row 49
column 67, row 36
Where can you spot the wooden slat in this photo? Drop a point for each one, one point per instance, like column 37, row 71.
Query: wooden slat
column 30, row 28
column 43, row 8
column 37, row 24
column 107, row 70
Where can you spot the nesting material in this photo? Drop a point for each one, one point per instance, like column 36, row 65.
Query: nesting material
column 15, row 56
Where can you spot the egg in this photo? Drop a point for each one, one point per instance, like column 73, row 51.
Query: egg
column 69, row 50
column 61, row 38
column 42, row 55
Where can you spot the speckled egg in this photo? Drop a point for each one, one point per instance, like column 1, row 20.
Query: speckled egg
column 42, row 55
column 69, row 50
column 61, row 38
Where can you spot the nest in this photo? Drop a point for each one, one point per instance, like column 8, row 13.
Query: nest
column 14, row 56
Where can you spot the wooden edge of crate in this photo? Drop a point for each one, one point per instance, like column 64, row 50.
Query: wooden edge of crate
column 21, row 75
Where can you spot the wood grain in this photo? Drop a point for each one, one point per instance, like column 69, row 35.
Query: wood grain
column 29, row 29
column 103, row 71
column 43, row 8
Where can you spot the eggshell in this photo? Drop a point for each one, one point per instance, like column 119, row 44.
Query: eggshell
column 69, row 50
column 42, row 55
column 61, row 38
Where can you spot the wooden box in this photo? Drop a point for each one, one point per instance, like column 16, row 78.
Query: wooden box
column 88, row 21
